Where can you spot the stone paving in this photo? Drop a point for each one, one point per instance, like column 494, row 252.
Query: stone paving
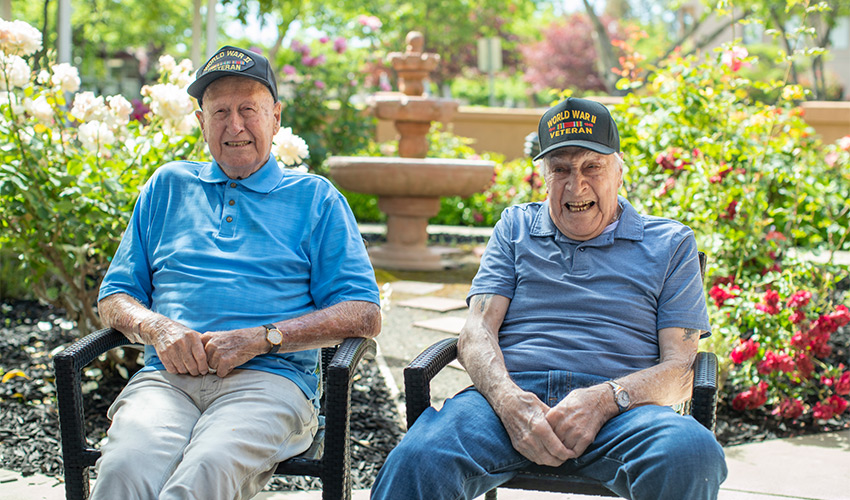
column 426, row 307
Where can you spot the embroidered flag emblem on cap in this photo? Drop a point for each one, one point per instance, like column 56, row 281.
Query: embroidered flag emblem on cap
column 231, row 61
column 578, row 122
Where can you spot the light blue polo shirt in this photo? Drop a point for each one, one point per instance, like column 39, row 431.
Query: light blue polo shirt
column 215, row 253
column 595, row 306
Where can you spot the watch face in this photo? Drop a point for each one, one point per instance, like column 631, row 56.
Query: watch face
column 623, row 399
column 274, row 336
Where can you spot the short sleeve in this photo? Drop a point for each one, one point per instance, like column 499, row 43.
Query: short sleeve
column 682, row 300
column 497, row 271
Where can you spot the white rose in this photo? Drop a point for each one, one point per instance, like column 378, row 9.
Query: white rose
column 119, row 110
column 186, row 125
column 39, row 108
column 167, row 63
column 66, row 77
column 169, row 101
column 14, row 71
column 88, row 108
column 18, row 37
column 95, row 134
column 289, row 148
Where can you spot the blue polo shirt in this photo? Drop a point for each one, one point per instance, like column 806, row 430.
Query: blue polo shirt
column 591, row 306
column 215, row 253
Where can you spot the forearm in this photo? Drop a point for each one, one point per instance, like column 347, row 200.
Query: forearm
column 479, row 351
column 130, row 317
column 664, row 384
column 670, row 381
column 329, row 326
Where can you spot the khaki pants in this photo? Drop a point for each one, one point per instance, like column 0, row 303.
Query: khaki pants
column 204, row 437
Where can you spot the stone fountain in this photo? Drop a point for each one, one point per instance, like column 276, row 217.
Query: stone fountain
column 409, row 187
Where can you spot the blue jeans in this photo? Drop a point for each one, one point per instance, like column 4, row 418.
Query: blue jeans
column 463, row 450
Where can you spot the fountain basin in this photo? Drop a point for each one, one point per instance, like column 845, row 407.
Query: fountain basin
column 411, row 177
column 398, row 106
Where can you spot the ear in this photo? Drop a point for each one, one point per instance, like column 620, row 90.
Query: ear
column 278, row 109
column 199, row 114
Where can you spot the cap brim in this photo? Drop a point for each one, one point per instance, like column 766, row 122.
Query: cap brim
column 196, row 88
column 593, row 146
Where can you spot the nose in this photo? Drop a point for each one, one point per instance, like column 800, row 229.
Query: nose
column 576, row 182
column 235, row 124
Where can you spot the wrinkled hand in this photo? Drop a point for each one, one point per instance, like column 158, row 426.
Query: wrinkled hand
column 576, row 420
column 179, row 348
column 524, row 417
column 226, row 350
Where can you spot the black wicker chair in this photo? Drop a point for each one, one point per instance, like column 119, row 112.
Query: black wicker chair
column 417, row 386
column 328, row 457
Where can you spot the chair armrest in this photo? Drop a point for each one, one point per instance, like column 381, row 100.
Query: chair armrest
column 341, row 371
column 68, row 365
column 704, row 399
column 420, row 371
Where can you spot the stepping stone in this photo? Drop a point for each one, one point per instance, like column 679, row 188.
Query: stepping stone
column 448, row 324
column 415, row 287
column 440, row 304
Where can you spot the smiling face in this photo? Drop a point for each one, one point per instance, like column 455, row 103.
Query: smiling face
column 582, row 186
column 239, row 120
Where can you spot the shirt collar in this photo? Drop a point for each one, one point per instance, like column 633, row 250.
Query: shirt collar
column 630, row 226
column 263, row 180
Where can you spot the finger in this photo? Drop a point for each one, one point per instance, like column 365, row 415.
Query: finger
column 199, row 356
column 555, row 448
column 168, row 365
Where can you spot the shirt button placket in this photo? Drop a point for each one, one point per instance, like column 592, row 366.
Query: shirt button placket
column 231, row 193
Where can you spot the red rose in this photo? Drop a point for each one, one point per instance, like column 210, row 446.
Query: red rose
column 842, row 385
column 838, row 404
column 799, row 299
column 797, row 317
column 789, row 409
column 823, row 411
column 745, row 350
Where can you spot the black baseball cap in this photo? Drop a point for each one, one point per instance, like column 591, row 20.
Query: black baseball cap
column 233, row 61
column 578, row 122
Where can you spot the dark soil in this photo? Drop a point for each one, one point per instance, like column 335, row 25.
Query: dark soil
column 30, row 334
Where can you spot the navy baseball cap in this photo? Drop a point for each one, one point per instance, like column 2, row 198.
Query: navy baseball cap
column 578, row 122
column 233, row 61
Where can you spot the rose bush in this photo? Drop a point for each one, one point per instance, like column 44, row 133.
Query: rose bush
column 322, row 80
column 762, row 194
column 71, row 166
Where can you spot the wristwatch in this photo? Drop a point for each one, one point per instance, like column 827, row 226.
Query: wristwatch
column 273, row 337
column 621, row 396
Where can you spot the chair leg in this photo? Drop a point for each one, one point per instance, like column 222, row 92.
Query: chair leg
column 76, row 483
column 490, row 495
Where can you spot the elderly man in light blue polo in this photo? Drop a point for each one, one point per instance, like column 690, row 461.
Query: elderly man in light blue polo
column 232, row 273
column 582, row 330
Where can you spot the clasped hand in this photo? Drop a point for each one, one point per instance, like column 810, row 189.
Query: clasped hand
column 551, row 436
column 185, row 351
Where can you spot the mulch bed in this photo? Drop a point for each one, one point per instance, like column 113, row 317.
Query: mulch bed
column 30, row 334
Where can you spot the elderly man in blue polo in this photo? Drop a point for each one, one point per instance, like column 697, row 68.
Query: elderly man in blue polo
column 582, row 330
column 232, row 273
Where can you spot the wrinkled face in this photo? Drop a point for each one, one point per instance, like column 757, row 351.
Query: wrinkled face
column 582, row 186
column 239, row 120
